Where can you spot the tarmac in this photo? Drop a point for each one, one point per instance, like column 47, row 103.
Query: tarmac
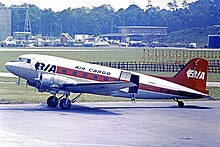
column 111, row 124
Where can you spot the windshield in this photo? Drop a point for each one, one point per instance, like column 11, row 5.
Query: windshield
column 20, row 59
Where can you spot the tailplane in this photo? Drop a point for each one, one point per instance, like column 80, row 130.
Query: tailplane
column 193, row 75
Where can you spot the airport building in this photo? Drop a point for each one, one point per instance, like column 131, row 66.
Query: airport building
column 5, row 23
column 214, row 41
column 138, row 33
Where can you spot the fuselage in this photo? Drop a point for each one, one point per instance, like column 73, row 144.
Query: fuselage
column 147, row 86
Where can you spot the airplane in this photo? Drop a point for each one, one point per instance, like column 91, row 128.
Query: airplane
column 58, row 75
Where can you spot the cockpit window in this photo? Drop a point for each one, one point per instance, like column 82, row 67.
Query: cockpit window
column 22, row 59
column 26, row 60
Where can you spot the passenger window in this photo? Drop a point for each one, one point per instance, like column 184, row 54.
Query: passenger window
column 64, row 71
column 28, row 60
column 95, row 77
column 85, row 75
column 105, row 79
column 75, row 73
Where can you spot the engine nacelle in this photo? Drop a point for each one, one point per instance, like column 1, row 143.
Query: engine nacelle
column 48, row 82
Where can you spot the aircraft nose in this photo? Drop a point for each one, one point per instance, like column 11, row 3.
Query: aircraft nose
column 10, row 66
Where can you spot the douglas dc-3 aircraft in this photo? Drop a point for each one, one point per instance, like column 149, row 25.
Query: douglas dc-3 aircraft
column 62, row 76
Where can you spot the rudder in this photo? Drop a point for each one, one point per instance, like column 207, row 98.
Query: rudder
column 193, row 75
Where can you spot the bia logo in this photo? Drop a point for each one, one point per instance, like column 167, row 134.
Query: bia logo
column 45, row 67
column 195, row 74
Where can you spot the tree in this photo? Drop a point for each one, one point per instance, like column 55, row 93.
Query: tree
column 104, row 19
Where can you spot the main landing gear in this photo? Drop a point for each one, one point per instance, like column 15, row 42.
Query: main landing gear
column 52, row 101
column 64, row 104
column 180, row 103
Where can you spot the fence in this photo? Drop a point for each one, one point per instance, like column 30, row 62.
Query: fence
column 178, row 56
column 213, row 67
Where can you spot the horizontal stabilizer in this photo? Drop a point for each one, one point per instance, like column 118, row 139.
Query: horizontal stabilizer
column 210, row 98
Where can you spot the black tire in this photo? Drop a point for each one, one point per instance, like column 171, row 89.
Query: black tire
column 52, row 101
column 65, row 105
column 181, row 104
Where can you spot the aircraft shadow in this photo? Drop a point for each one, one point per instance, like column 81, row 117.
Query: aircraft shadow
column 157, row 107
column 100, row 110
column 195, row 107
column 74, row 109
column 90, row 110
column 106, row 110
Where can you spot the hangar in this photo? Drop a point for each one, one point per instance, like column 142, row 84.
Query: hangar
column 5, row 23
column 138, row 33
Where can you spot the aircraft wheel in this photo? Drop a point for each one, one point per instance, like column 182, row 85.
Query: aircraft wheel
column 65, row 104
column 181, row 104
column 52, row 101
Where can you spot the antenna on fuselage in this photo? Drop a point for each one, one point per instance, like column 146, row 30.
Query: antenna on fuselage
column 19, row 81
column 26, row 86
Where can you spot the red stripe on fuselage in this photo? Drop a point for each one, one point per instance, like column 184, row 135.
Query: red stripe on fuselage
column 84, row 74
column 102, row 78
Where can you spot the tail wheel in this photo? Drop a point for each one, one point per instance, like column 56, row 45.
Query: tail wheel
column 52, row 101
column 181, row 104
column 65, row 104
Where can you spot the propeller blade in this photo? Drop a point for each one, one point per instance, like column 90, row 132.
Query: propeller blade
column 39, row 76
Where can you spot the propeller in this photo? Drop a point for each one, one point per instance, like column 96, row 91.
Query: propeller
column 39, row 75
column 38, row 79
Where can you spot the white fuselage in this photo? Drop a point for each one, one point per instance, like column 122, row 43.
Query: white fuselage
column 149, row 87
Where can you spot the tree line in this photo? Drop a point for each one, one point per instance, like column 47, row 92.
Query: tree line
column 104, row 19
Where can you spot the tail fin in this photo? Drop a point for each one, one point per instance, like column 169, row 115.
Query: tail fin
column 193, row 75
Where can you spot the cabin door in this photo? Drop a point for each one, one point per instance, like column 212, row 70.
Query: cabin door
column 127, row 76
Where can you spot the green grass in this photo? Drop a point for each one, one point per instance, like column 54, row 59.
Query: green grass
column 214, row 92
column 212, row 77
column 81, row 54
column 12, row 93
column 114, row 54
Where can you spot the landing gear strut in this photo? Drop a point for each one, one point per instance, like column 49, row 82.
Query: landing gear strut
column 180, row 103
column 76, row 98
column 133, row 100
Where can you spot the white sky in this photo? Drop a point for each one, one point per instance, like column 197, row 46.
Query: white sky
column 59, row 5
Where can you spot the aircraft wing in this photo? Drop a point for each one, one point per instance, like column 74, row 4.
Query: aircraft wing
column 98, row 88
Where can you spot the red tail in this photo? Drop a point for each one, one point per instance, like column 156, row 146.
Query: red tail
column 193, row 75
